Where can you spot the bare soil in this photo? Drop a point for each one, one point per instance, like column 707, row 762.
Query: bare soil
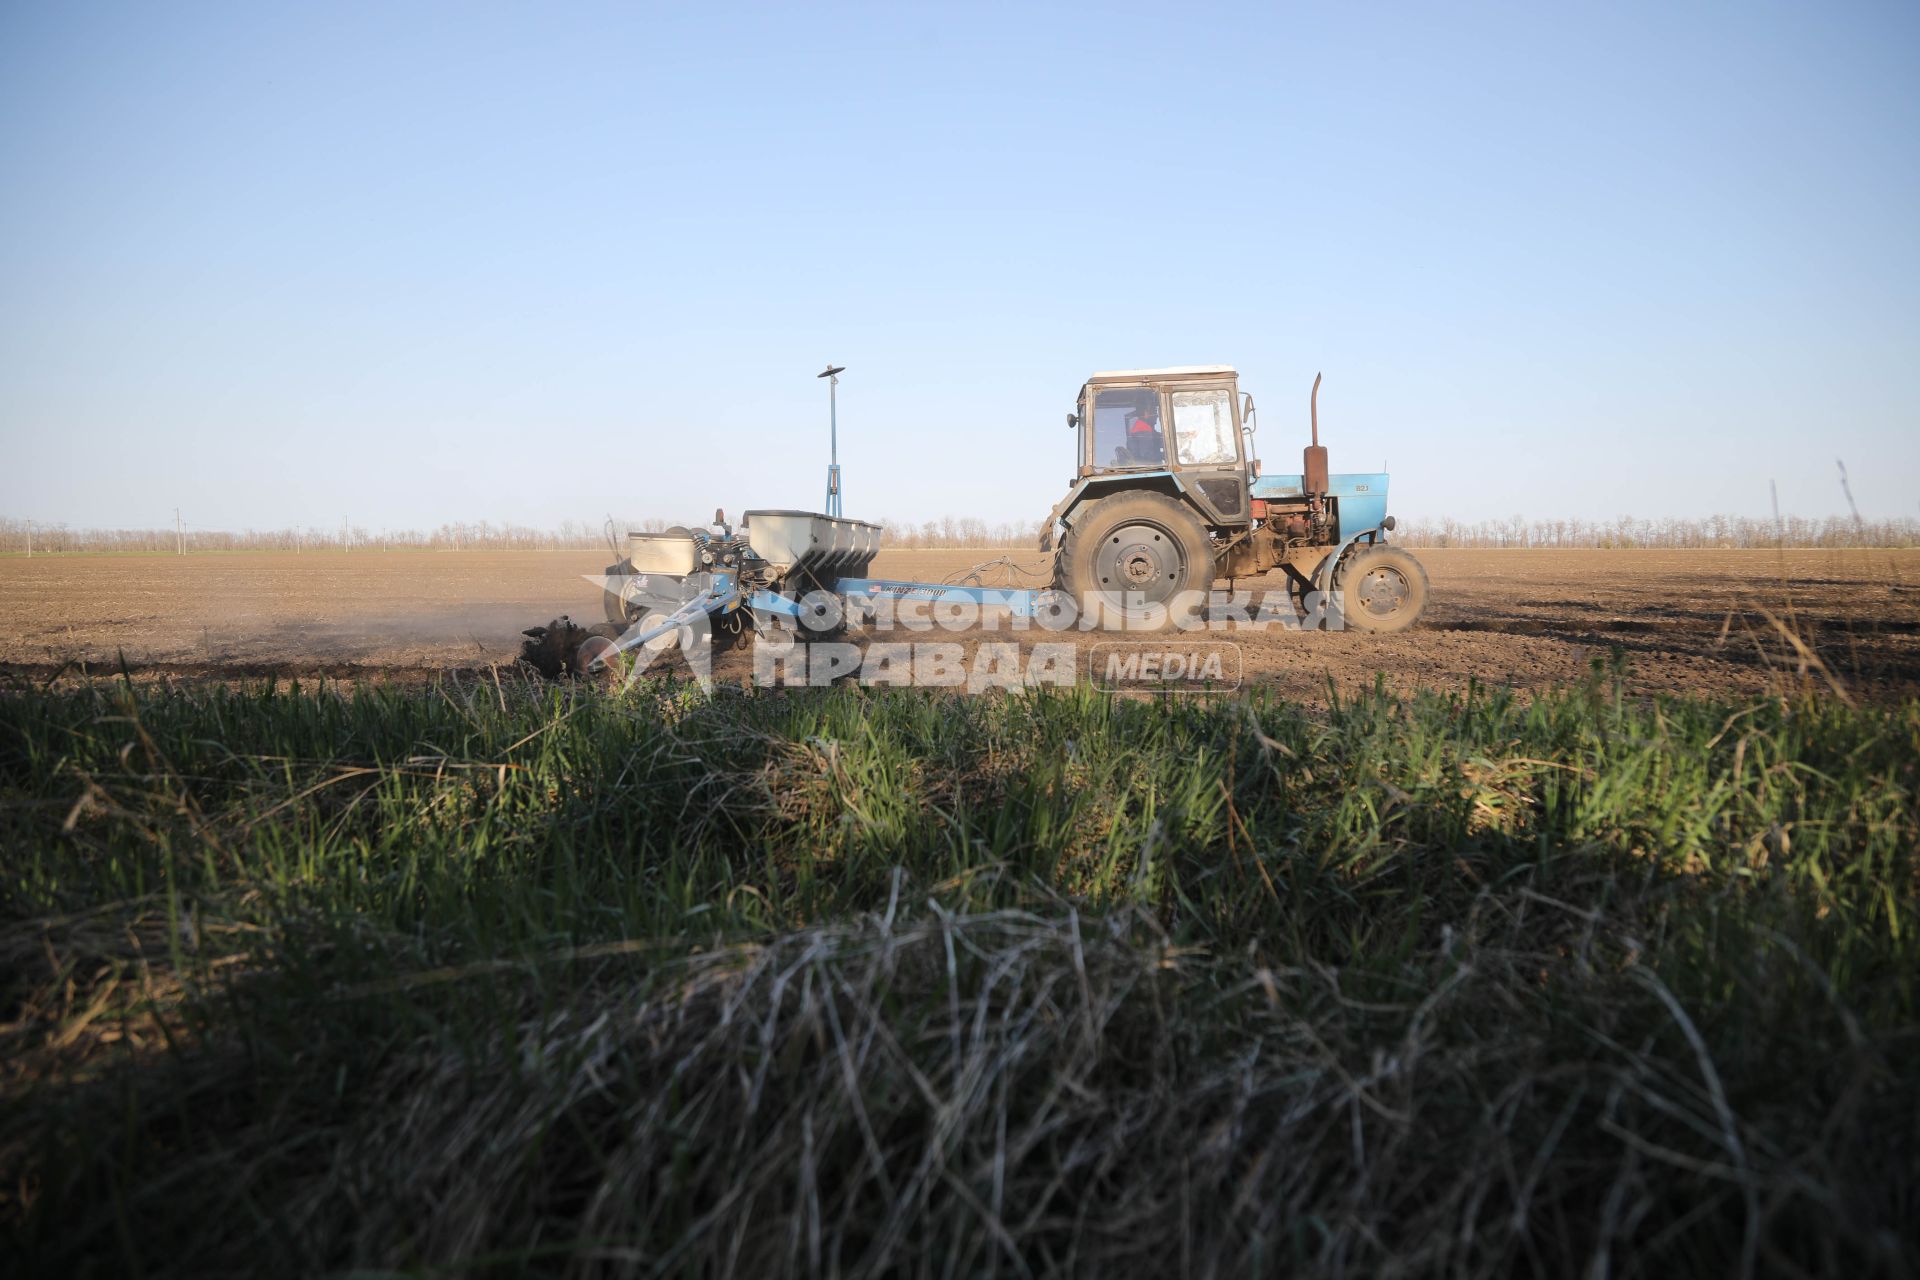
column 1708, row 622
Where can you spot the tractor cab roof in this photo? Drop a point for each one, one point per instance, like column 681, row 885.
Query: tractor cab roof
column 1174, row 373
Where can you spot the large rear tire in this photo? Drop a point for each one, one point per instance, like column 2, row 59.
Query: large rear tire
column 1381, row 589
column 1134, row 553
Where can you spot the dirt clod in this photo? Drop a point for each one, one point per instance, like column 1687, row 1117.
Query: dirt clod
column 560, row 649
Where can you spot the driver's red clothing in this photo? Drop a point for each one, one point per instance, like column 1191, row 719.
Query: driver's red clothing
column 1143, row 440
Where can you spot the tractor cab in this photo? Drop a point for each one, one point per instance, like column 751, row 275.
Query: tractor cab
column 1166, row 499
column 1181, row 425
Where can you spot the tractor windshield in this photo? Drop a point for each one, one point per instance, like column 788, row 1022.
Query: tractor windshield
column 1126, row 428
column 1203, row 427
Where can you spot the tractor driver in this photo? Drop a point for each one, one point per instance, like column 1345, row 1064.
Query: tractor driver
column 1143, row 436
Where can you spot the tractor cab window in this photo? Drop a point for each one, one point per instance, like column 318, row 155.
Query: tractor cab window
column 1126, row 428
column 1203, row 428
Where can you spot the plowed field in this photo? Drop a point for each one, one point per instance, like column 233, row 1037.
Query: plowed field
column 1684, row 621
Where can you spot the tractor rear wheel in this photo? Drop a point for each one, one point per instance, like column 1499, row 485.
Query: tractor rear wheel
column 1134, row 553
column 1381, row 589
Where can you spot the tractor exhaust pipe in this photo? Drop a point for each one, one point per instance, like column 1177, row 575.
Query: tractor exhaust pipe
column 1313, row 468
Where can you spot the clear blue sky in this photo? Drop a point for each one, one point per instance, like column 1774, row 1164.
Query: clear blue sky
column 405, row 263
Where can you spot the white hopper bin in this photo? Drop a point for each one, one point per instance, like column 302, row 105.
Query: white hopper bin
column 821, row 547
column 672, row 554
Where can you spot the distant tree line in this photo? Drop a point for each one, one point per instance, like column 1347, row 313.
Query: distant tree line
column 18, row 536
column 1628, row 531
column 947, row 531
column 961, row 531
column 480, row 535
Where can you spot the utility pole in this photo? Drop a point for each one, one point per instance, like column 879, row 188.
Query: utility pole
column 832, row 375
column 29, row 539
column 179, row 534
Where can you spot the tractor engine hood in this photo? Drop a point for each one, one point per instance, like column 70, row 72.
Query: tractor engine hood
column 1363, row 495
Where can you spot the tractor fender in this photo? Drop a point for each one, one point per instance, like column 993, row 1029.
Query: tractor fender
column 1323, row 576
column 1088, row 488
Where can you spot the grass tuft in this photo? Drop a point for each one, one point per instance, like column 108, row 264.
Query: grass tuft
column 490, row 980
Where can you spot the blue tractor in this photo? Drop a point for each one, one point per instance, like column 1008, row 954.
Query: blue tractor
column 1168, row 498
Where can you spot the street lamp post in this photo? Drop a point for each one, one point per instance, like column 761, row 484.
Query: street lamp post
column 832, row 375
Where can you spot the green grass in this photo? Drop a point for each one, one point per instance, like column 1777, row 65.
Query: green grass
column 493, row 980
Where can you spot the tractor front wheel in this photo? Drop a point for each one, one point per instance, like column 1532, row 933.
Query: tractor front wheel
column 1381, row 589
column 1134, row 553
